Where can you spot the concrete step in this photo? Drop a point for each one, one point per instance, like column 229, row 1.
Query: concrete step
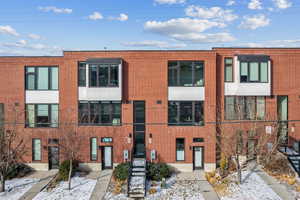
column 138, row 174
column 138, row 169
column 137, row 195
column 139, row 162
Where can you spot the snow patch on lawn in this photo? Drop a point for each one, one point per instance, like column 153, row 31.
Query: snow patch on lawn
column 82, row 189
column 252, row 188
column 16, row 188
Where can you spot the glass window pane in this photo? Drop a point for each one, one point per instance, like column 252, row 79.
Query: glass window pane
column 114, row 75
column 116, row 113
column 83, row 116
column 105, row 113
column 254, row 72
column 199, row 74
column 94, row 149
column 244, row 72
column 1, row 115
column 229, row 61
column 180, row 149
column 260, row 107
column 30, row 78
column 228, row 74
column 94, row 112
column 54, row 115
column 93, row 75
column 82, row 74
column 30, row 115
column 250, row 108
column 229, row 108
column 186, row 113
column 37, row 149
column 199, row 114
column 54, row 78
column 103, row 75
column 240, row 108
column 264, row 72
column 282, row 107
column 42, row 118
column 186, row 75
column 172, row 113
column 43, row 79
column 173, row 73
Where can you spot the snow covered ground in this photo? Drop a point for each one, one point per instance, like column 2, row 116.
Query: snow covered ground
column 252, row 188
column 16, row 188
column 82, row 189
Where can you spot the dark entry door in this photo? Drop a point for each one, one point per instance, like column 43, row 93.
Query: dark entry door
column 107, row 161
column 139, row 129
column 53, row 156
column 198, row 157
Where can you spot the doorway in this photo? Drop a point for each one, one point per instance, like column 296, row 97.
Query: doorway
column 139, row 129
column 53, row 157
column 198, row 155
column 107, row 157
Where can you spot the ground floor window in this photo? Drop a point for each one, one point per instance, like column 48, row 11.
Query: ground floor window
column 41, row 115
column 179, row 149
column 93, row 149
column 36, row 150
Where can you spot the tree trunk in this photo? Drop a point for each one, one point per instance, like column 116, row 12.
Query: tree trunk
column 2, row 183
column 70, row 173
column 239, row 171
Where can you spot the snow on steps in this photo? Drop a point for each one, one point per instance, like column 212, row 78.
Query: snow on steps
column 137, row 183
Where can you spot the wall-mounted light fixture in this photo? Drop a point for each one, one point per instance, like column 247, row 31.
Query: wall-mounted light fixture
column 129, row 138
column 150, row 138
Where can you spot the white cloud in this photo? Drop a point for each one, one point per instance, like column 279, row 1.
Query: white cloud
column 217, row 13
column 170, row 1
column 153, row 43
column 95, row 16
column 204, row 38
column 123, row 17
column 254, row 22
column 34, row 36
column 282, row 4
column 230, row 3
column 273, row 43
column 255, row 5
column 8, row 30
column 55, row 9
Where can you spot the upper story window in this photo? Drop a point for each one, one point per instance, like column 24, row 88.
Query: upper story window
column 103, row 75
column 186, row 73
column 41, row 78
column 185, row 113
column 228, row 64
column 81, row 74
column 99, row 113
column 41, row 115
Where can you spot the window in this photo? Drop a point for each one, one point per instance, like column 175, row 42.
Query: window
column 179, row 149
column 254, row 72
column 185, row 113
column 99, row 113
column 93, row 149
column 36, row 150
column 41, row 115
column 81, row 74
column 186, row 73
column 1, row 114
column 244, row 108
column 228, row 70
column 104, row 75
column 41, row 78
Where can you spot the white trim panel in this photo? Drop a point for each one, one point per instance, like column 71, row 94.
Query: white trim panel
column 186, row 93
column 247, row 89
column 47, row 96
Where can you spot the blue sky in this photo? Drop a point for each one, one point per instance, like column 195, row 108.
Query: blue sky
column 46, row 27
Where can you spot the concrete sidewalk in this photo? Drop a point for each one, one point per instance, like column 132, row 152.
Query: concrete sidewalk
column 103, row 179
column 45, row 177
column 207, row 190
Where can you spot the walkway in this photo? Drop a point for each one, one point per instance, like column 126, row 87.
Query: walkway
column 206, row 189
column 45, row 177
column 103, row 179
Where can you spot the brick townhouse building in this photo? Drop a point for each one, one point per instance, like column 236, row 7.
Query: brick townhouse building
column 160, row 105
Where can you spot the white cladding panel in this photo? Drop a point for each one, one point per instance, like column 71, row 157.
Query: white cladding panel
column 247, row 89
column 186, row 93
column 37, row 96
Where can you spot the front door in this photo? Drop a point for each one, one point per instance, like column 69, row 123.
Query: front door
column 53, row 157
column 139, row 129
column 107, row 157
column 198, row 157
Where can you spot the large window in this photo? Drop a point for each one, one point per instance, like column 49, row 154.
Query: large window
column 93, row 149
column 36, row 150
column 103, row 75
column 41, row 115
column 41, row 78
column 185, row 113
column 253, row 72
column 179, row 149
column 228, row 69
column 186, row 73
column 82, row 74
column 99, row 113
column 244, row 108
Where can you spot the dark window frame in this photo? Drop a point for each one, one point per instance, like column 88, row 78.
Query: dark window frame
column 109, row 85
column 183, row 149
column 193, row 123
column 178, row 69
column 80, row 67
column 259, row 72
column 225, row 67
column 35, row 73
column 35, row 115
column 33, row 157
column 91, row 154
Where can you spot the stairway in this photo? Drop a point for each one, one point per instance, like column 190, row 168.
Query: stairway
column 137, row 178
column 293, row 157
